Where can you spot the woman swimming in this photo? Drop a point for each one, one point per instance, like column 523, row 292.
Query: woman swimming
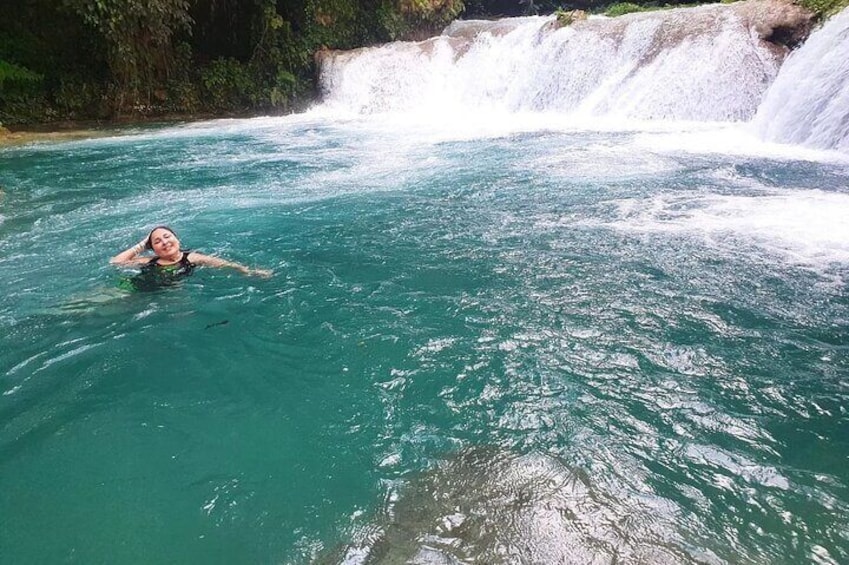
column 170, row 262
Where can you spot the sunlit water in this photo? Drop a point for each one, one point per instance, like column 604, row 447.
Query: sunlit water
column 507, row 324
column 493, row 342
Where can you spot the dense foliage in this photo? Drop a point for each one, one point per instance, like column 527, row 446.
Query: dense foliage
column 111, row 59
column 79, row 59
column 824, row 7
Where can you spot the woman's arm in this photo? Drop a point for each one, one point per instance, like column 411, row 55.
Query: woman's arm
column 131, row 256
column 206, row 260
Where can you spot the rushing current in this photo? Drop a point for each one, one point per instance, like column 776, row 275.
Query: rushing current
column 527, row 325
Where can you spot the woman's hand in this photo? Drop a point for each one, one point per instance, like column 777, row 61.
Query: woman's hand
column 130, row 256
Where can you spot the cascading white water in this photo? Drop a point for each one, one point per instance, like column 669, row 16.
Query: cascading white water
column 809, row 102
column 704, row 64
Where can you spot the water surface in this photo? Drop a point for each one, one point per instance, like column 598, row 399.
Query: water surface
column 493, row 341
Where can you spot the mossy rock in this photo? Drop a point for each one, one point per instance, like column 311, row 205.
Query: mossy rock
column 568, row 17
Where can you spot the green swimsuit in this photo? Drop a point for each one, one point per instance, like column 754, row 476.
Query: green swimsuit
column 154, row 276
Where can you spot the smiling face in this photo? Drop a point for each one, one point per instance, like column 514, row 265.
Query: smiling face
column 164, row 243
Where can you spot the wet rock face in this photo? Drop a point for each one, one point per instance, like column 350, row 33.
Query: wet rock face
column 706, row 63
column 779, row 22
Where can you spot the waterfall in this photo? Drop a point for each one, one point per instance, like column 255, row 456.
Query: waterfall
column 809, row 102
column 704, row 64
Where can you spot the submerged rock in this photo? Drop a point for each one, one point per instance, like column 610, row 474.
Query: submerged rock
column 487, row 505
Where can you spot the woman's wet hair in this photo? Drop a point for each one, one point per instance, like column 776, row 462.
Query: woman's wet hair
column 149, row 244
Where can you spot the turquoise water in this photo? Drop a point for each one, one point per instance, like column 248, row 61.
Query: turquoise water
column 481, row 344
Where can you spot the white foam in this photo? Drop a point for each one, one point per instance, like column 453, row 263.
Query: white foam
column 733, row 140
column 806, row 226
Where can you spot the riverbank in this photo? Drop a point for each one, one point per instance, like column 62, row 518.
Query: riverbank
column 85, row 129
column 13, row 138
column 69, row 130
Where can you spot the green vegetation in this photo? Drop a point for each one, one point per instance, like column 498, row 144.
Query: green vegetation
column 623, row 8
column 15, row 74
column 564, row 17
column 568, row 17
column 824, row 8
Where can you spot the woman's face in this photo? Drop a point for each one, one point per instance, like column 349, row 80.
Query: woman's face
column 164, row 243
